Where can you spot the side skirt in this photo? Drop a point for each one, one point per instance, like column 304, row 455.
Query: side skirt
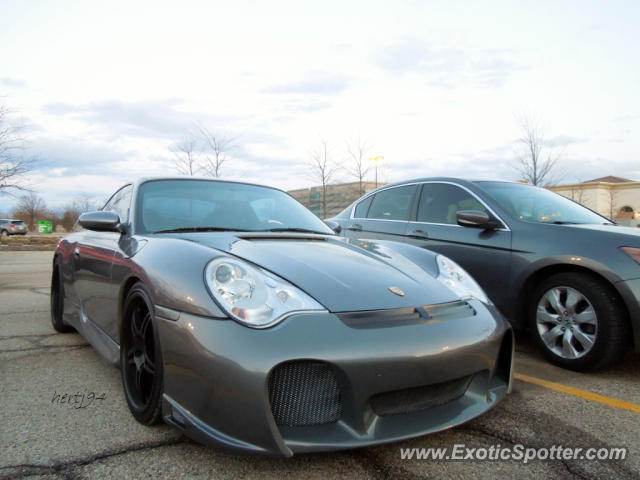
column 107, row 347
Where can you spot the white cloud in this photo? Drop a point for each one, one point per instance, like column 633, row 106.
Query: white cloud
column 13, row 82
column 105, row 88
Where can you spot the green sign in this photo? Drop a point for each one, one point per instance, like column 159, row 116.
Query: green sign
column 45, row 226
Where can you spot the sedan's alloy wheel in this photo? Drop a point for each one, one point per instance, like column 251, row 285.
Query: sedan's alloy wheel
column 567, row 322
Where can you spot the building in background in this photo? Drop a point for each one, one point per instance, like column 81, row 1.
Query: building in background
column 339, row 196
column 614, row 197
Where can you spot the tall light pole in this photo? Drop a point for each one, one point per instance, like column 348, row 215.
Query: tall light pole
column 375, row 161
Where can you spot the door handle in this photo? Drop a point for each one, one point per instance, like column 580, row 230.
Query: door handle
column 418, row 233
column 76, row 252
column 355, row 226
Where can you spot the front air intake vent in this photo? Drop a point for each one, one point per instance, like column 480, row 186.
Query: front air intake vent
column 416, row 399
column 304, row 393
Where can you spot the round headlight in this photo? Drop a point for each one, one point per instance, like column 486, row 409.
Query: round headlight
column 253, row 296
column 233, row 283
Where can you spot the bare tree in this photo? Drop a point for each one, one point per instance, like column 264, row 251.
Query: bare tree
column 322, row 169
column 85, row 202
column 217, row 147
column 29, row 207
column 537, row 159
column 186, row 161
column 71, row 212
column 14, row 165
column 359, row 165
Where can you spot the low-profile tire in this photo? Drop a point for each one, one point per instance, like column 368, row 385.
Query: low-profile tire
column 579, row 321
column 141, row 358
column 57, row 302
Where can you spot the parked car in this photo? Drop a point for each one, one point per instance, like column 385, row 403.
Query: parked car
column 549, row 264
column 240, row 318
column 12, row 227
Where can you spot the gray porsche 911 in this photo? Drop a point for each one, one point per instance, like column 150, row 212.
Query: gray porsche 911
column 240, row 318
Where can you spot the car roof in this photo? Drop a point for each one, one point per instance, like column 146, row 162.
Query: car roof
column 142, row 180
column 461, row 180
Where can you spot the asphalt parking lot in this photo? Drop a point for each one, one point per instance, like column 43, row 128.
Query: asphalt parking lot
column 44, row 437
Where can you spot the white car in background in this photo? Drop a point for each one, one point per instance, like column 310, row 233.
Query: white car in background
column 12, row 227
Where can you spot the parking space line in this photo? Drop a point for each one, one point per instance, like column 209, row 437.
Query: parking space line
column 594, row 397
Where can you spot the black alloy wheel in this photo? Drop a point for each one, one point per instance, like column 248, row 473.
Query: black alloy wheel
column 57, row 302
column 141, row 358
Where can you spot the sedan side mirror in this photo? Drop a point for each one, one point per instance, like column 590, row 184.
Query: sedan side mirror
column 335, row 226
column 476, row 219
column 100, row 221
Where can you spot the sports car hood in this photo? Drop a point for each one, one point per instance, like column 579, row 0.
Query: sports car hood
column 341, row 276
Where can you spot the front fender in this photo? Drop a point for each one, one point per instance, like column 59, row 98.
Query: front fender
column 173, row 271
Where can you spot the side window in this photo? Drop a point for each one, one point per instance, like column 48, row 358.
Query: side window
column 392, row 204
column 120, row 203
column 362, row 208
column 439, row 203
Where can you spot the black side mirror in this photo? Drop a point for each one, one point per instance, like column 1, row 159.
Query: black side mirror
column 476, row 219
column 335, row 226
column 100, row 221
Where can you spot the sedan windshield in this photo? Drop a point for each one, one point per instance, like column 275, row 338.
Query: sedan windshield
column 202, row 205
column 534, row 204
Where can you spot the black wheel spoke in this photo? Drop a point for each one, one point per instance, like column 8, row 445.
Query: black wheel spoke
column 134, row 321
column 148, row 367
column 149, row 359
column 139, row 381
column 145, row 325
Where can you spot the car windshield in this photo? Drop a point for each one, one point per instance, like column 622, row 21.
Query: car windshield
column 534, row 204
column 201, row 205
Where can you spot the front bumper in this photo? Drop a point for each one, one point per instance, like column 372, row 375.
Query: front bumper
column 216, row 375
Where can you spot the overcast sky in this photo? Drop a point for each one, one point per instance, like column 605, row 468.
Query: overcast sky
column 103, row 89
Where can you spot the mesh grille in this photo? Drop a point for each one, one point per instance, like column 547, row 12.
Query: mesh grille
column 304, row 393
column 419, row 398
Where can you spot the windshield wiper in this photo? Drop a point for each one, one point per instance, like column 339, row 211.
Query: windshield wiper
column 562, row 222
column 199, row 229
column 294, row 229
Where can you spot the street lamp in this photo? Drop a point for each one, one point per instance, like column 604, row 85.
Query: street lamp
column 375, row 161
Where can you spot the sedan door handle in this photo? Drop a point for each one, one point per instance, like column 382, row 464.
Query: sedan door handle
column 76, row 252
column 418, row 233
column 355, row 226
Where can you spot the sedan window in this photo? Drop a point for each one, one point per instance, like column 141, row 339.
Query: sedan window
column 439, row 203
column 392, row 203
column 362, row 208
